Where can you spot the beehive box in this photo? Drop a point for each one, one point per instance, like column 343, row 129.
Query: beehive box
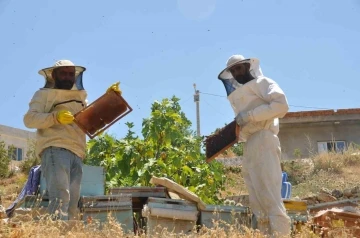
column 297, row 211
column 99, row 208
column 35, row 201
column 223, row 216
column 92, row 182
column 174, row 215
column 140, row 195
column 338, row 220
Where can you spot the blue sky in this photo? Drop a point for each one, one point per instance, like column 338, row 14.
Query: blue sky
column 157, row 49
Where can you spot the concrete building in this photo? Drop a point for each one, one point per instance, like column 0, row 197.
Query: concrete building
column 307, row 132
column 18, row 138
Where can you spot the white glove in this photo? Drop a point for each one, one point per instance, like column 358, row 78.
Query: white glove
column 242, row 118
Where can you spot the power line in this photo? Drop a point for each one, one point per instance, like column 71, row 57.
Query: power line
column 187, row 100
column 211, row 94
column 216, row 110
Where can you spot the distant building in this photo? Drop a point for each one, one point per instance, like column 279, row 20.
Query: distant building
column 18, row 138
column 306, row 132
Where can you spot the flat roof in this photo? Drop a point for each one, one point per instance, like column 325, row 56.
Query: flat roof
column 323, row 113
column 11, row 131
column 320, row 116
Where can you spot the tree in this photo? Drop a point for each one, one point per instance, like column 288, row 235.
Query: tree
column 31, row 159
column 238, row 149
column 4, row 160
column 168, row 148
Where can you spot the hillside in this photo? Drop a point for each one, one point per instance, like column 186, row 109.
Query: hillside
column 335, row 175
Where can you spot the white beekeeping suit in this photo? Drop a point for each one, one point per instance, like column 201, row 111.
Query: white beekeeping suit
column 258, row 102
column 47, row 102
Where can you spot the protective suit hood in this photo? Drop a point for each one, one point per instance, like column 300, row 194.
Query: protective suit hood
column 50, row 82
column 226, row 77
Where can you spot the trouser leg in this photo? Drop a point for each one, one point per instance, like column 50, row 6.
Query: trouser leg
column 75, row 181
column 262, row 163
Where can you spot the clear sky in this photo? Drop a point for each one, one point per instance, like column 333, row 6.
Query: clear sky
column 160, row 48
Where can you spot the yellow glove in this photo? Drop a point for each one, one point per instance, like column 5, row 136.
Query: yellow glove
column 65, row 117
column 114, row 87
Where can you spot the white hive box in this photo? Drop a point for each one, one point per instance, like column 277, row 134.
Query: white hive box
column 176, row 216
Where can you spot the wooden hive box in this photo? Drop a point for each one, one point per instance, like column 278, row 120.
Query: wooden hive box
column 222, row 216
column 35, row 201
column 174, row 215
column 140, row 195
column 338, row 220
column 298, row 213
column 92, row 184
column 98, row 208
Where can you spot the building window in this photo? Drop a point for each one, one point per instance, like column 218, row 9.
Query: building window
column 16, row 153
column 331, row 146
column 19, row 154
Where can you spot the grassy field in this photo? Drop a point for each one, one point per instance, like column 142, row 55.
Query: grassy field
column 308, row 177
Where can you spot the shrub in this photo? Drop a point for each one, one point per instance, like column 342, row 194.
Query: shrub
column 31, row 158
column 4, row 161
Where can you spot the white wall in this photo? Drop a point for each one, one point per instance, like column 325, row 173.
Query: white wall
column 17, row 137
column 305, row 137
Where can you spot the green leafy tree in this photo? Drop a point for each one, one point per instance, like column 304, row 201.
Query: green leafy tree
column 168, row 148
column 4, row 160
column 238, row 149
column 31, row 158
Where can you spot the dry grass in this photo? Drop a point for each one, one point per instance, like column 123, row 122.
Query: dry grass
column 234, row 183
column 11, row 187
column 331, row 171
column 307, row 176
column 25, row 226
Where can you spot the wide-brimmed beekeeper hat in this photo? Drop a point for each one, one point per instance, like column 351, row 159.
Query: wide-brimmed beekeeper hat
column 47, row 73
column 234, row 60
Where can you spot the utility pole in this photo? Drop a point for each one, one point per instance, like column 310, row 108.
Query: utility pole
column 197, row 102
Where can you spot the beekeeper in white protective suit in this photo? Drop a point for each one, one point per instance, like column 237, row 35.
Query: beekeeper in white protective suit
column 60, row 143
column 258, row 102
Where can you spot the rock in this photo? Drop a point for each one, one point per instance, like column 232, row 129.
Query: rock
column 355, row 190
column 297, row 198
column 325, row 197
column 337, row 193
column 242, row 199
column 310, row 200
column 2, row 212
column 347, row 193
column 325, row 190
column 356, row 195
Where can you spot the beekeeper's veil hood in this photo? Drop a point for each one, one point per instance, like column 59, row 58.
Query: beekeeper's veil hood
column 50, row 82
column 226, row 77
